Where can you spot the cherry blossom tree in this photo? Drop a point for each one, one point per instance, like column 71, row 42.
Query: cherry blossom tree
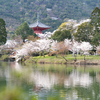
column 62, row 49
column 18, row 40
column 85, row 48
column 9, row 47
column 44, row 45
column 68, row 44
column 33, row 47
column 54, row 47
column 27, row 49
column 1, row 48
column 75, row 47
column 98, row 50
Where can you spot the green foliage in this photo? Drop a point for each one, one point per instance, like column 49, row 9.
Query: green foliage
column 4, row 57
column 95, row 22
column 15, row 93
column 58, row 97
column 95, row 16
column 26, row 10
column 24, row 31
column 41, row 53
column 84, row 32
column 96, row 39
column 61, row 35
column 3, row 33
column 13, row 36
column 53, row 23
column 62, row 26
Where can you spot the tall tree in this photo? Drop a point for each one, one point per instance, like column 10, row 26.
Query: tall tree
column 84, row 32
column 95, row 22
column 69, row 26
column 3, row 33
column 24, row 30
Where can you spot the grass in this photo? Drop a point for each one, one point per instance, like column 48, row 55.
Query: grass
column 60, row 59
column 69, row 57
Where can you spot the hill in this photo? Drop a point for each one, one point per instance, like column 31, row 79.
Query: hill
column 52, row 13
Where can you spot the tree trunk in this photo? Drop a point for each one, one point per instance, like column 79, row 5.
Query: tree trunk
column 75, row 58
column 43, row 53
column 84, row 57
column 65, row 58
column 56, row 55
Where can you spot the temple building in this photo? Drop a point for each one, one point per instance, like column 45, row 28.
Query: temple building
column 38, row 27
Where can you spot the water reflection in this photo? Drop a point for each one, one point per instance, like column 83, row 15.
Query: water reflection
column 77, row 78
column 53, row 82
column 45, row 80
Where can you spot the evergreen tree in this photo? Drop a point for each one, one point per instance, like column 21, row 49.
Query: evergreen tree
column 84, row 32
column 95, row 22
column 3, row 33
column 24, row 31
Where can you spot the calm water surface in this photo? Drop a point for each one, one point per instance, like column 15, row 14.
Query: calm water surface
column 52, row 82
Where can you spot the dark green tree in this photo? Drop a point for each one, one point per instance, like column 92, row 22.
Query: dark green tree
column 61, row 35
column 24, row 31
column 95, row 16
column 84, row 32
column 95, row 22
column 3, row 33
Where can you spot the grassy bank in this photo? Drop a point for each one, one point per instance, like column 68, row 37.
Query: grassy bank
column 60, row 60
column 6, row 57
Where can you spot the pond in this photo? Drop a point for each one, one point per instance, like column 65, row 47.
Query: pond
column 49, row 82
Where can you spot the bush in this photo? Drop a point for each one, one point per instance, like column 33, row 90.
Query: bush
column 41, row 53
column 52, row 53
column 5, row 57
column 35, row 54
column 6, row 51
column 23, row 58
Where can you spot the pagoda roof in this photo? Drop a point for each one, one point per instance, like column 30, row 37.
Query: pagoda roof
column 38, row 24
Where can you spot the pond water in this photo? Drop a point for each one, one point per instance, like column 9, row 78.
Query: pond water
column 49, row 82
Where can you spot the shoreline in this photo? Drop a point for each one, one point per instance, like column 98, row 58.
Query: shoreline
column 72, row 62
column 68, row 59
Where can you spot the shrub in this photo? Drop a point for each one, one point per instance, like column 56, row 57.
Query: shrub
column 52, row 53
column 35, row 54
column 41, row 53
column 5, row 57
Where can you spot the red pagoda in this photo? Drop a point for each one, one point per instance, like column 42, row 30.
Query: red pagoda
column 38, row 27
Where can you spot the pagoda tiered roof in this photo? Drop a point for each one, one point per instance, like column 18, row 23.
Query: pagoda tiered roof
column 38, row 24
column 38, row 27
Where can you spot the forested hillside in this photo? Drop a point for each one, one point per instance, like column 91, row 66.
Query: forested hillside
column 52, row 12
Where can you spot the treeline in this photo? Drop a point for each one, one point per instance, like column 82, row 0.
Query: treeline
column 26, row 10
column 87, row 30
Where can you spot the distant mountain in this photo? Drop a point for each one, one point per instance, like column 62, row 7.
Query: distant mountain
column 52, row 12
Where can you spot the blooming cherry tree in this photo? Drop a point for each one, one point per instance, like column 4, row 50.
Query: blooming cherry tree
column 98, row 49
column 44, row 45
column 54, row 46
column 85, row 48
column 68, row 44
column 75, row 47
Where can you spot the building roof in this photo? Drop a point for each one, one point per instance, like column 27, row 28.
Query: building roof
column 39, row 24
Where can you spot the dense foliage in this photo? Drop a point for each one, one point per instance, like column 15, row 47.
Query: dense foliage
column 61, row 35
column 24, row 31
column 15, row 12
column 95, row 22
column 3, row 33
column 84, row 32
